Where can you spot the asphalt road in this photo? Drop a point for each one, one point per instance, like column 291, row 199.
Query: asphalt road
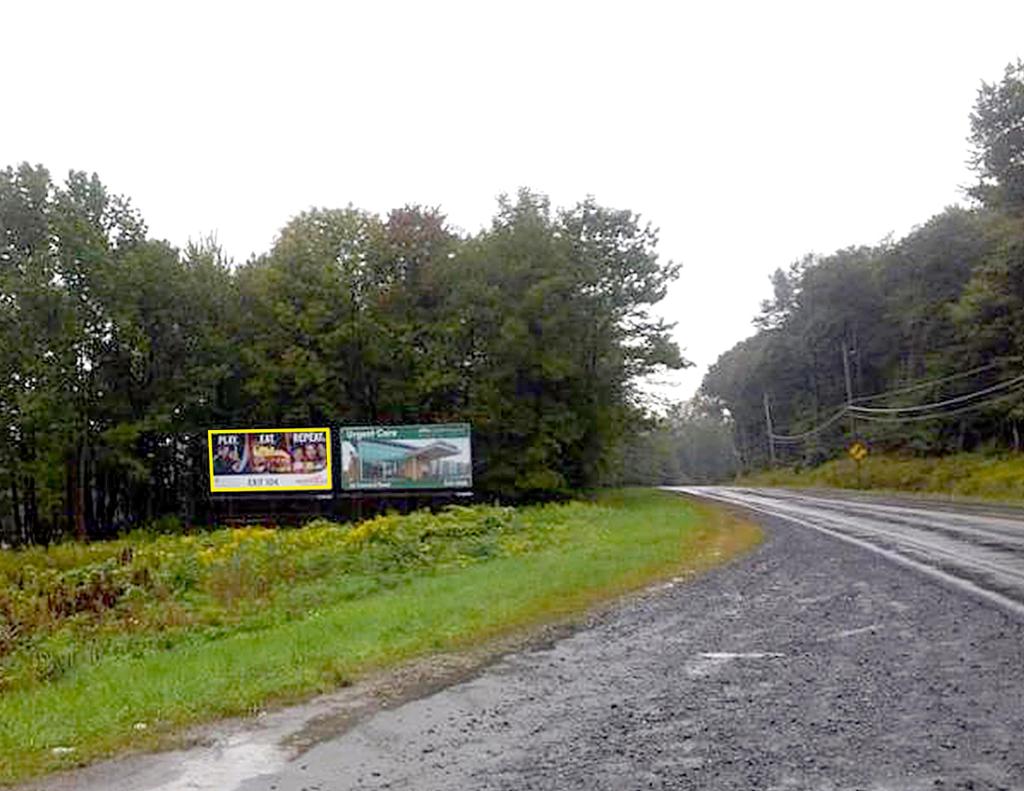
column 885, row 653
column 979, row 548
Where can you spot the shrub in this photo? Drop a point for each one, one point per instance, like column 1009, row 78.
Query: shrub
column 60, row 604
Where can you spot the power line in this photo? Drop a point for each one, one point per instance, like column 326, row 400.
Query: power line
column 799, row 437
column 942, row 380
column 895, row 414
column 1009, row 383
column 946, row 414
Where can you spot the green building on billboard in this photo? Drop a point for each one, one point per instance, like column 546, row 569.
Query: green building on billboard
column 406, row 457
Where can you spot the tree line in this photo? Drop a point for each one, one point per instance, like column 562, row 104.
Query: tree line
column 929, row 318
column 691, row 442
column 118, row 351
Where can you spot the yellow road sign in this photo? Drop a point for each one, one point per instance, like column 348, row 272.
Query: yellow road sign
column 858, row 451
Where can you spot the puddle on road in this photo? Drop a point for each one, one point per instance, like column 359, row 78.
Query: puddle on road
column 872, row 628
column 708, row 662
column 224, row 767
column 726, row 655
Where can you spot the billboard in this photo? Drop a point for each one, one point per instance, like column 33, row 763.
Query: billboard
column 406, row 457
column 270, row 460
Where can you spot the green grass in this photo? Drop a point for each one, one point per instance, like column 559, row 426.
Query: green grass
column 508, row 569
column 969, row 475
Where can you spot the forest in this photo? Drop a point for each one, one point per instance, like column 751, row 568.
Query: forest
column 914, row 345
column 119, row 351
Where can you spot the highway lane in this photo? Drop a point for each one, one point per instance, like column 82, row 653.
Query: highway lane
column 975, row 547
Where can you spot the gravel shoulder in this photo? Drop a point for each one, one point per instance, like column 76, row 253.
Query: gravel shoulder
column 811, row 664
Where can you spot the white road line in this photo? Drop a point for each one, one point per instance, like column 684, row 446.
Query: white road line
column 1009, row 533
column 937, row 541
column 1006, row 603
column 933, row 542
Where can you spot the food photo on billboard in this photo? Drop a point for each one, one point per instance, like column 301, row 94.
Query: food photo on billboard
column 262, row 460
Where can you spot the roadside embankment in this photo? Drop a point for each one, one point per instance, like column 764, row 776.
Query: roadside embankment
column 961, row 475
column 118, row 645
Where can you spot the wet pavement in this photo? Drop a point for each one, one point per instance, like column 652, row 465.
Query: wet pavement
column 812, row 663
column 979, row 548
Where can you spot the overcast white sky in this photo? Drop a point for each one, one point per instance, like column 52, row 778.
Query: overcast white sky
column 750, row 133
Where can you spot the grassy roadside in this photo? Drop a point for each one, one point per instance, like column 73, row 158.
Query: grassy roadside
column 967, row 475
column 548, row 562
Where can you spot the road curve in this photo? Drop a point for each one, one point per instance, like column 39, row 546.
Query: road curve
column 979, row 549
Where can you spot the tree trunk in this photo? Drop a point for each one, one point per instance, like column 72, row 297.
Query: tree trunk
column 19, row 527
column 77, row 493
column 31, row 511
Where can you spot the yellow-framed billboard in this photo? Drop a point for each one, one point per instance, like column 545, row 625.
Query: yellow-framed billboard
column 270, row 460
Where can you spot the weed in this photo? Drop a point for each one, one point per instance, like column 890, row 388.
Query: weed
column 185, row 628
column 965, row 474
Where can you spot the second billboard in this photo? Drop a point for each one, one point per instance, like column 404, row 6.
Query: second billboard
column 406, row 457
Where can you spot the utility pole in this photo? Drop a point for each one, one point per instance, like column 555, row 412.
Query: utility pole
column 849, row 392
column 768, row 424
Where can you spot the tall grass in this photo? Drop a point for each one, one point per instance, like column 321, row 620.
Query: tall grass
column 962, row 475
column 384, row 591
column 70, row 604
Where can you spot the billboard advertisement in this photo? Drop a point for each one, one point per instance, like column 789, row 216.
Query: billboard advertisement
column 406, row 457
column 270, row 460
